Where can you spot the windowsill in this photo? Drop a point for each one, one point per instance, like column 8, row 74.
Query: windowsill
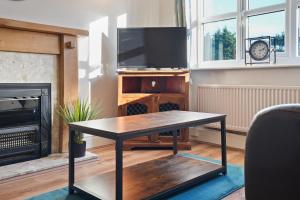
column 245, row 67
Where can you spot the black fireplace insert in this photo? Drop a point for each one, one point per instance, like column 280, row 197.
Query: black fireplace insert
column 25, row 122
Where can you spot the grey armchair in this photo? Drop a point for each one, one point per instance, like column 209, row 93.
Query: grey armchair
column 272, row 161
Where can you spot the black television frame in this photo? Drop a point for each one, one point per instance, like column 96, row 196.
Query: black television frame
column 120, row 67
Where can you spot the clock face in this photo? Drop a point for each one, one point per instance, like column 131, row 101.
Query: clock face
column 259, row 50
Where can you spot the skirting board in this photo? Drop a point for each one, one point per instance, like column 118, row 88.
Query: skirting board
column 213, row 136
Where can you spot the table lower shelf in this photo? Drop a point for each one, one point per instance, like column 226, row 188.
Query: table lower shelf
column 150, row 180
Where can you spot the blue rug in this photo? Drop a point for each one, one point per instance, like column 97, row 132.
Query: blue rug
column 214, row 189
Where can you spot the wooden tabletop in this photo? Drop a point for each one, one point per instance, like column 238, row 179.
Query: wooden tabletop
column 137, row 125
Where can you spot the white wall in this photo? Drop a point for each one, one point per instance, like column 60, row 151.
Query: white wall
column 70, row 13
column 80, row 13
column 167, row 13
column 139, row 13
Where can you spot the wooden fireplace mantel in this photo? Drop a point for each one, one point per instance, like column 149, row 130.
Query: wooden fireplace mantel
column 43, row 28
column 27, row 37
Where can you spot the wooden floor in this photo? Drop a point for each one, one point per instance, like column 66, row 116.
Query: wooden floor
column 23, row 188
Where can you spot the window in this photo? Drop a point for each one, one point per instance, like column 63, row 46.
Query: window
column 267, row 18
column 253, row 4
column 219, row 30
column 270, row 24
column 220, row 40
column 225, row 24
column 217, row 7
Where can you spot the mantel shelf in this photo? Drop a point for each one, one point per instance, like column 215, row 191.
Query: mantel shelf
column 43, row 28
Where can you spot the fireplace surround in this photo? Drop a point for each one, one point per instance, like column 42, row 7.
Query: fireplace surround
column 25, row 122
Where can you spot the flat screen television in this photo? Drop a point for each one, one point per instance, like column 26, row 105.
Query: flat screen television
column 152, row 47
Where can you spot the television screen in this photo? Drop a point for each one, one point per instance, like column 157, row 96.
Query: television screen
column 152, row 47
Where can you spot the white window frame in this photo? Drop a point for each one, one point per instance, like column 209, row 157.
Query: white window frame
column 268, row 10
column 289, row 57
column 203, row 20
column 295, row 27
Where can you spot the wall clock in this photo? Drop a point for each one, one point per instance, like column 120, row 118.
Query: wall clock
column 260, row 50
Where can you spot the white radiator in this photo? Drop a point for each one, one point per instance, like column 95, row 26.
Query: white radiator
column 241, row 102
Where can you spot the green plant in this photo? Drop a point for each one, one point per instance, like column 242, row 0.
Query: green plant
column 80, row 110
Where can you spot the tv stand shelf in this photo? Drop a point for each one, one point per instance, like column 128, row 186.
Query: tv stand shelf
column 142, row 92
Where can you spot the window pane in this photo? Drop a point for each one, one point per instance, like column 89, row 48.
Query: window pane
column 271, row 24
column 217, row 7
column 263, row 3
column 220, row 40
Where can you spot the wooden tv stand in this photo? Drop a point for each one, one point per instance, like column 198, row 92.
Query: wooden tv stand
column 142, row 92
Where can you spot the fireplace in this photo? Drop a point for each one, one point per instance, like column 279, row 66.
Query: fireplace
column 25, row 122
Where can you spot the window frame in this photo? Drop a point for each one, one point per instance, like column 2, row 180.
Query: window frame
column 203, row 20
column 268, row 10
column 290, row 56
column 295, row 26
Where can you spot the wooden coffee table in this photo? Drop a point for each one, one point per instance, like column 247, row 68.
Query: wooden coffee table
column 156, row 179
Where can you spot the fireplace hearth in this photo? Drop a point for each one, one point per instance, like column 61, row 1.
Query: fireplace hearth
column 25, row 122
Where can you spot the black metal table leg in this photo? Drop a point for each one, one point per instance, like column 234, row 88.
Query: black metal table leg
column 119, row 169
column 71, row 161
column 175, row 148
column 223, row 144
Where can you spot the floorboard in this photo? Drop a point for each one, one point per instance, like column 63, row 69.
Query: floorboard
column 36, row 184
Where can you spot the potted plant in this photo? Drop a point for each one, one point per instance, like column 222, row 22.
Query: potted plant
column 80, row 110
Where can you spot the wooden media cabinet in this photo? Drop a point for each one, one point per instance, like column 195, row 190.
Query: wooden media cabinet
column 141, row 92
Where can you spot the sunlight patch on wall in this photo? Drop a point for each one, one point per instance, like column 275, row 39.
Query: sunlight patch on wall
column 122, row 21
column 95, row 73
column 96, row 31
column 83, row 49
column 82, row 73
